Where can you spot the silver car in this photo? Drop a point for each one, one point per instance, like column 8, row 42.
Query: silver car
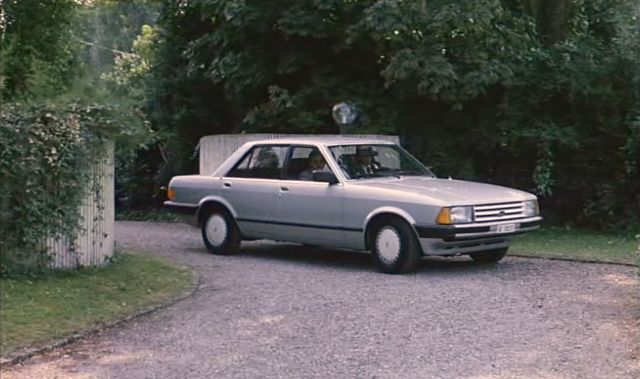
column 350, row 193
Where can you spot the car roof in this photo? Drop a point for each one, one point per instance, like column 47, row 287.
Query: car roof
column 323, row 140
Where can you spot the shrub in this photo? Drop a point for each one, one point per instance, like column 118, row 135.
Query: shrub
column 45, row 156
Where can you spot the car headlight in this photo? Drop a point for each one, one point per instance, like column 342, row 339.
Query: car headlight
column 531, row 208
column 455, row 215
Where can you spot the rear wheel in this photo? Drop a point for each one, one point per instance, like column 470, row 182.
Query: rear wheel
column 394, row 246
column 489, row 256
column 220, row 233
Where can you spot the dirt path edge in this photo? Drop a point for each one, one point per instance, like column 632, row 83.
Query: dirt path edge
column 27, row 353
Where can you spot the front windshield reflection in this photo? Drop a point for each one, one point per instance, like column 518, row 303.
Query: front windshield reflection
column 371, row 161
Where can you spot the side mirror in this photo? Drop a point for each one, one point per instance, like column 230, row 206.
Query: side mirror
column 325, row 176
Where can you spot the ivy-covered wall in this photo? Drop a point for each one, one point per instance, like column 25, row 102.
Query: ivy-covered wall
column 47, row 167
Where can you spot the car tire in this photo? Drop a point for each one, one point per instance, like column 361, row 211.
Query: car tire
column 394, row 246
column 220, row 233
column 489, row 256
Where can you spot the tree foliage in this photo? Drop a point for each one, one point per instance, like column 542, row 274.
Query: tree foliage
column 37, row 50
column 540, row 94
column 109, row 29
column 130, row 70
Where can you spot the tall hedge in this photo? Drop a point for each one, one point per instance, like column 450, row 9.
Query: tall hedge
column 45, row 159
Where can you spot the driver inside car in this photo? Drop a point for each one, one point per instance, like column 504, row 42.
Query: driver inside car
column 364, row 163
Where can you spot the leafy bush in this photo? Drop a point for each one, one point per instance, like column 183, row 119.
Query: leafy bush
column 45, row 156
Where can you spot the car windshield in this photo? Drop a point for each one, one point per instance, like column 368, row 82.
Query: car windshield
column 370, row 161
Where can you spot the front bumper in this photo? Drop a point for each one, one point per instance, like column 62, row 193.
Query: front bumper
column 181, row 208
column 186, row 212
column 468, row 238
column 477, row 230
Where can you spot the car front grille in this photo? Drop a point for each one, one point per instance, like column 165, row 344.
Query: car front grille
column 498, row 212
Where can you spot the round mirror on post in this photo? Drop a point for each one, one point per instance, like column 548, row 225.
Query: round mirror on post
column 344, row 114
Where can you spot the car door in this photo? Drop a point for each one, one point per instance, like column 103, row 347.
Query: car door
column 310, row 212
column 252, row 187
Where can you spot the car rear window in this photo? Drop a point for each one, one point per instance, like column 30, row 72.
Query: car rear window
column 263, row 162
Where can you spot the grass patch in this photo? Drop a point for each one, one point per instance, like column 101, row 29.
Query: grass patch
column 35, row 310
column 555, row 242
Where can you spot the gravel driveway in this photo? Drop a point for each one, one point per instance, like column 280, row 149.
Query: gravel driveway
column 279, row 310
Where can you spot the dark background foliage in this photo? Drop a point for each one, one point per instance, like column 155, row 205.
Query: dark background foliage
column 37, row 53
column 539, row 95
column 542, row 95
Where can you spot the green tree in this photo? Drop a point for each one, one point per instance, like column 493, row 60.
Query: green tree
column 130, row 70
column 535, row 94
column 574, row 110
column 37, row 53
column 109, row 28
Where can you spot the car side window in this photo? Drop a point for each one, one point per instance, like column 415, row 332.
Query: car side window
column 263, row 162
column 303, row 161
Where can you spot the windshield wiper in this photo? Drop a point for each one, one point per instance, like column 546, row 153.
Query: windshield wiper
column 400, row 173
column 366, row 176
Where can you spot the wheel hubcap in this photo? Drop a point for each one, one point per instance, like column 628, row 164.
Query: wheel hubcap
column 216, row 230
column 388, row 244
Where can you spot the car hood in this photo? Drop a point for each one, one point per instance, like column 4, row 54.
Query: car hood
column 452, row 192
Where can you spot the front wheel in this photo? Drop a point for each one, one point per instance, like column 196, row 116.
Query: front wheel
column 395, row 247
column 489, row 256
column 220, row 233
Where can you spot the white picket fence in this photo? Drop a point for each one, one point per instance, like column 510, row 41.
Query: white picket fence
column 215, row 149
column 94, row 242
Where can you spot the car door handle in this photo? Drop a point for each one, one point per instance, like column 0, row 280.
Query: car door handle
column 227, row 184
column 284, row 188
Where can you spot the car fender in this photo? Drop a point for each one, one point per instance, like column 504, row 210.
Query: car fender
column 216, row 199
column 392, row 210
